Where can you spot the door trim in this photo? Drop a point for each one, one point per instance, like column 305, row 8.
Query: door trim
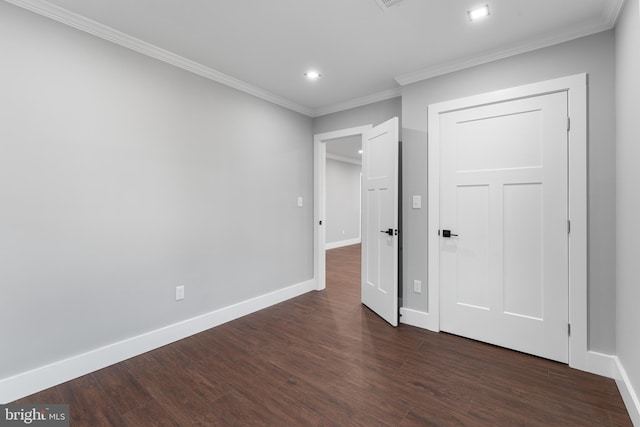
column 320, row 199
column 576, row 88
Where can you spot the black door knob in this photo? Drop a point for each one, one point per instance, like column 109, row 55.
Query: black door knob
column 389, row 231
column 448, row 234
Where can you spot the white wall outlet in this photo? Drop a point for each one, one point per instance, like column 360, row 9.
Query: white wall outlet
column 417, row 286
column 300, row 201
column 179, row 293
column 417, row 202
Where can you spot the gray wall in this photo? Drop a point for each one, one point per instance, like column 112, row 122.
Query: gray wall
column 628, row 200
column 122, row 177
column 593, row 55
column 372, row 114
column 342, row 201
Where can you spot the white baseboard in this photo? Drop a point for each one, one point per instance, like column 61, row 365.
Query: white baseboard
column 601, row 364
column 629, row 396
column 27, row 383
column 418, row 319
column 610, row 366
column 348, row 242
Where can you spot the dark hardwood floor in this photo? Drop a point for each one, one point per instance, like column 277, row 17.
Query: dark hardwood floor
column 324, row 359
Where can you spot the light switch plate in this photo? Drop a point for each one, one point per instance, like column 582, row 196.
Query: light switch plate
column 417, row 286
column 417, row 202
column 300, row 201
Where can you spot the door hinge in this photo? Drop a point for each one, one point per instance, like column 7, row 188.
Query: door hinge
column 569, row 328
column 568, row 226
column 568, row 124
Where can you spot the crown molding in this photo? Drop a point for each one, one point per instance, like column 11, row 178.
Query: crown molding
column 358, row 102
column 612, row 11
column 343, row 159
column 81, row 23
column 610, row 16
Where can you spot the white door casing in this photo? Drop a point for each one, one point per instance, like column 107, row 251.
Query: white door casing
column 380, row 220
column 319, row 191
column 575, row 89
column 503, row 191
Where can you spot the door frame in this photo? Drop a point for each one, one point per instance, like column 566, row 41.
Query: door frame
column 320, row 197
column 576, row 88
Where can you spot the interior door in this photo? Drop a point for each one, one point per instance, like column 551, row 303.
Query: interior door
column 380, row 221
column 504, row 224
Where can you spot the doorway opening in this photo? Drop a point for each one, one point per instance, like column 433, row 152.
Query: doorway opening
column 343, row 183
column 380, row 228
column 343, row 204
column 351, row 137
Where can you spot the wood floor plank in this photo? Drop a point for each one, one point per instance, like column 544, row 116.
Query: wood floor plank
column 280, row 403
column 323, row 359
column 89, row 405
column 240, row 411
column 121, row 388
column 184, row 404
column 150, row 414
column 436, row 417
column 191, row 375
column 49, row 396
column 320, row 399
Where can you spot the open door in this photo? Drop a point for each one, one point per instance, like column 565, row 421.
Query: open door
column 380, row 220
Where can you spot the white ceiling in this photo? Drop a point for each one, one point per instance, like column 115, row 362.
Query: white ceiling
column 364, row 53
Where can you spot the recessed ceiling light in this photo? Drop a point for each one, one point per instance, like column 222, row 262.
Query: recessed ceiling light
column 478, row 13
column 359, row 151
column 312, row 75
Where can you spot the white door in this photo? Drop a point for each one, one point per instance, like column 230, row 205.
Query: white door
column 504, row 198
column 380, row 220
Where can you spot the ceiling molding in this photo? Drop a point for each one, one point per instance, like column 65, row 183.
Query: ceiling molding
column 611, row 12
column 445, row 68
column 358, row 102
column 387, row 4
column 81, row 23
column 343, row 159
